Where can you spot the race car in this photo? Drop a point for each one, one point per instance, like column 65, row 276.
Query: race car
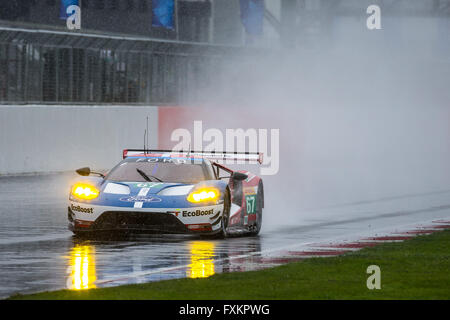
column 162, row 191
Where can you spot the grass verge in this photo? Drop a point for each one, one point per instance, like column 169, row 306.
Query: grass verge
column 414, row 269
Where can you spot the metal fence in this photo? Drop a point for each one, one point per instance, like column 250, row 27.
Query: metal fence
column 49, row 66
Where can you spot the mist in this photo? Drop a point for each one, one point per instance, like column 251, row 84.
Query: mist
column 363, row 115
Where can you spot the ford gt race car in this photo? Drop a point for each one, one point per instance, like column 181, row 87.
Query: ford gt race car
column 159, row 191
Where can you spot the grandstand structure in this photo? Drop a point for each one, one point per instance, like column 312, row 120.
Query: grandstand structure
column 118, row 57
column 49, row 66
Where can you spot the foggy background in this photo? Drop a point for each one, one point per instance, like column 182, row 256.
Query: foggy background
column 363, row 115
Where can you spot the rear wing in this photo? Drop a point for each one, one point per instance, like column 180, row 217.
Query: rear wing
column 246, row 157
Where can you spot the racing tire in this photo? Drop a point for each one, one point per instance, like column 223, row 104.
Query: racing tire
column 254, row 229
column 223, row 233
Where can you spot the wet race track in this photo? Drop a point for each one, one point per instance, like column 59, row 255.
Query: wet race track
column 38, row 253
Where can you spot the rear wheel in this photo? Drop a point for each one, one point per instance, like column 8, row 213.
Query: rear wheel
column 256, row 227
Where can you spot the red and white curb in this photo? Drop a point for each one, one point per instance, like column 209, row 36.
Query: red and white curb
column 291, row 253
column 337, row 248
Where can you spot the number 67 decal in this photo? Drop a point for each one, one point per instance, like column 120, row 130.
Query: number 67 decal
column 251, row 204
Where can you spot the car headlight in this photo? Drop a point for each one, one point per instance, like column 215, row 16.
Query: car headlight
column 203, row 195
column 85, row 191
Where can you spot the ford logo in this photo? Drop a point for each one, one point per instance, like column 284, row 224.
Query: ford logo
column 141, row 199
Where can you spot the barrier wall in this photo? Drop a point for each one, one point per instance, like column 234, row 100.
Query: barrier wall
column 36, row 138
column 53, row 138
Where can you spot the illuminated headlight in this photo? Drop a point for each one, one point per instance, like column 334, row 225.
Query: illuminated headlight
column 203, row 195
column 85, row 191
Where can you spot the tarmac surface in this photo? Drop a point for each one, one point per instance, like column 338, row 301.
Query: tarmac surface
column 39, row 253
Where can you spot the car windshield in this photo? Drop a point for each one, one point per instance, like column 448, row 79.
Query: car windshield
column 158, row 170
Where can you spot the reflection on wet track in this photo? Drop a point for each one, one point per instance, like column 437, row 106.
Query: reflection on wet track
column 202, row 259
column 38, row 253
column 82, row 268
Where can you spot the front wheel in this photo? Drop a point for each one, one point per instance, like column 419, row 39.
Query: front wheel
column 223, row 233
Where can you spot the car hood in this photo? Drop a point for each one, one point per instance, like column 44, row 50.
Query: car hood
column 137, row 187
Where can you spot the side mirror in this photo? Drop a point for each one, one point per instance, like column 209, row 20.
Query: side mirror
column 238, row 176
column 84, row 171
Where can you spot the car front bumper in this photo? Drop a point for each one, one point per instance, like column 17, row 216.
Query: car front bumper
column 84, row 218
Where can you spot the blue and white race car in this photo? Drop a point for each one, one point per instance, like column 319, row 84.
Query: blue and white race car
column 160, row 191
